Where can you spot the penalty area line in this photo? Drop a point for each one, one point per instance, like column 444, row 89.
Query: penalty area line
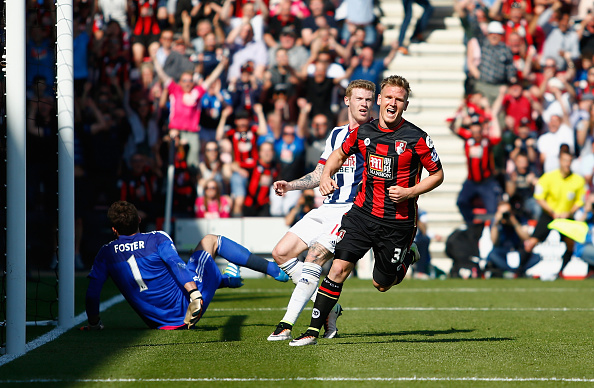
column 486, row 309
column 331, row 379
column 58, row 331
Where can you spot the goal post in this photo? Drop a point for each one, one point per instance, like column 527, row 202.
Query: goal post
column 65, row 94
column 16, row 213
column 16, row 168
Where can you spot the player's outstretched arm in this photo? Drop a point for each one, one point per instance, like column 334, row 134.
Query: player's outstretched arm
column 308, row 181
column 333, row 164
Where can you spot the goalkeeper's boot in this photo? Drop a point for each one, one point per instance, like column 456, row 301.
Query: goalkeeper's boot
column 414, row 250
column 282, row 277
column 310, row 337
column 330, row 329
column 234, row 276
column 281, row 333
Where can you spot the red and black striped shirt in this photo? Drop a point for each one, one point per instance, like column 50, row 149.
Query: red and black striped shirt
column 245, row 148
column 479, row 155
column 392, row 157
column 258, row 187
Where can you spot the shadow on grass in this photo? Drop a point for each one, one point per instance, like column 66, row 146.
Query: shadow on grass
column 426, row 333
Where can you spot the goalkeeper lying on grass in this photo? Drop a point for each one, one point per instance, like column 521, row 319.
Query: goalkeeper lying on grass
column 166, row 292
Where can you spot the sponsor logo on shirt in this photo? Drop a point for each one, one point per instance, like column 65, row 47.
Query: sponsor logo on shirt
column 380, row 166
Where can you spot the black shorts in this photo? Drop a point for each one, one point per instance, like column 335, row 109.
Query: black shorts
column 390, row 245
column 145, row 40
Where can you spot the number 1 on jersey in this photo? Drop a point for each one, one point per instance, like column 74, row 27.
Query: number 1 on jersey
column 136, row 273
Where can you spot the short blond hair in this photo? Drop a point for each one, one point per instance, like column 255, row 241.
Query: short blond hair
column 359, row 84
column 396, row 80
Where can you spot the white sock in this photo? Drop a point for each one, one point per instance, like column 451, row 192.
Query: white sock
column 293, row 268
column 307, row 286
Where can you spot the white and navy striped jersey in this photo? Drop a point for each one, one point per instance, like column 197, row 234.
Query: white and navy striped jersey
column 350, row 174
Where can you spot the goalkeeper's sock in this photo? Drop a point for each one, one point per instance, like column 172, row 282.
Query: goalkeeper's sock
column 240, row 255
column 306, row 287
column 293, row 268
column 328, row 295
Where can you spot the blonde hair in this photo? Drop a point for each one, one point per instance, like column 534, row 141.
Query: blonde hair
column 396, row 80
column 359, row 84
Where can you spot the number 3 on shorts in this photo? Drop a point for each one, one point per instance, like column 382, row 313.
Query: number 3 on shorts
column 397, row 256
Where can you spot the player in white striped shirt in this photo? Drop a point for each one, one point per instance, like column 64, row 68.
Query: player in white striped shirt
column 317, row 230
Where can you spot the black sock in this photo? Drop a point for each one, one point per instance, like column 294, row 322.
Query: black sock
column 327, row 296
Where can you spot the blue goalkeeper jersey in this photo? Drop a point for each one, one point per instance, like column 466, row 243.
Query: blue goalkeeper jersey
column 149, row 273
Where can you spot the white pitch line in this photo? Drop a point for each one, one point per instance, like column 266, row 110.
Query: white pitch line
column 58, row 331
column 510, row 309
column 423, row 290
column 333, row 379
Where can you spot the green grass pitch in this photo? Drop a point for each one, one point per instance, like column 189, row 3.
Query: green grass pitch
column 451, row 333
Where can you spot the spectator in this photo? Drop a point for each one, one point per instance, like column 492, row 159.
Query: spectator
column 40, row 56
column 138, row 185
column 550, row 143
column 211, row 167
column 255, row 13
column 304, row 205
column 280, row 22
column 172, row 62
column 586, row 34
column 257, row 199
column 359, row 13
column 243, row 137
column 508, row 235
column 212, row 104
column 212, row 204
column 366, row 67
column 297, row 54
column 496, row 67
column 562, row 44
column 146, row 30
column 580, row 122
column 519, row 104
column 184, row 116
column 524, row 142
column 520, row 183
column 317, row 19
column 246, row 90
column 144, row 134
column 316, row 135
column 421, row 25
column 319, row 88
column 245, row 48
column 117, row 10
column 289, row 150
column 280, row 77
column 479, row 140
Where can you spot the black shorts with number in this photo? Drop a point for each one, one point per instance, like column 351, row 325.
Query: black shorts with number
column 390, row 244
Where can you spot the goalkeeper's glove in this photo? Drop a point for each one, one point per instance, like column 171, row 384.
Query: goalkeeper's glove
column 93, row 327
column 194, row 309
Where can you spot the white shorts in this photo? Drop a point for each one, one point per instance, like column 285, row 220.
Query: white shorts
column 321, row 225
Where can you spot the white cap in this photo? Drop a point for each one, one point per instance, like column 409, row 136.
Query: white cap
column 555, row 82
column 495, row 28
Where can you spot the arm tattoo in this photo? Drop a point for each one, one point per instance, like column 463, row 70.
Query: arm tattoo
column 308, row 181
column 318, row 254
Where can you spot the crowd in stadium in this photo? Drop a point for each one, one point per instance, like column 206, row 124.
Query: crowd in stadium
column 528, row 101
column 238, row 94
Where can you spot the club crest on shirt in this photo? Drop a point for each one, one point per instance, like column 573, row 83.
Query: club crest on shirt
column 380, row 166
column 429, row 142
column 367, row 141
column 400, row 146
column 340, row 235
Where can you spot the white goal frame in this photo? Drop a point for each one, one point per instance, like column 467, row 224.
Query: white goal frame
column 16, row 119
